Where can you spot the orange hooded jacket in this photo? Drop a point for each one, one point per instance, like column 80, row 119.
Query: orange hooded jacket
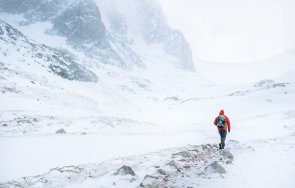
column 227, row 122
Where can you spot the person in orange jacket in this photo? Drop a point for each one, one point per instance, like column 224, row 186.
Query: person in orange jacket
column 223, row 124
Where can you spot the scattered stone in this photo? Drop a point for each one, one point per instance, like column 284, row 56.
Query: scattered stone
column 200, row 148
column 125, row 170
column 264, row 83
column 206, row 147
column 23, row 120
column 4, row 125
column 166, row 179
column 175, row 164
column 150, row 176
column 132, row 180
column 194, row 150
column 215, row 168
column 150, row 181
column 35, row 119
column 215, row 146
column 61, row 131
column 161, row 171
column 68, row 169
column 186, row 167
column 227, row 155
column 185, row 154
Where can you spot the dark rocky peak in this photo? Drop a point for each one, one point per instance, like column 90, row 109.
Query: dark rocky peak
column 81, row 23
column 59, row 62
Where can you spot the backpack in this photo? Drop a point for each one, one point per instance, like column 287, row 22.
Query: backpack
column 220, row 121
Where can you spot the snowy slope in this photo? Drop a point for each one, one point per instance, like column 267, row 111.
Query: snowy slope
column 261, row 110
column 123, row 108
column 109, row 38
column 19, row 51
column 62, row 109
column 249, row 72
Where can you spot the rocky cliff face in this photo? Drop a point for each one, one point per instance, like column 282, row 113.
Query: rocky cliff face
column 111, row 37
column 155, row 29
column 145, row 20
column 81, row 23
column 28, row 54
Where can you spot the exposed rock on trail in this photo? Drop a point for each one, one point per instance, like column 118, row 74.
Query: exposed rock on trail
column 175, row 167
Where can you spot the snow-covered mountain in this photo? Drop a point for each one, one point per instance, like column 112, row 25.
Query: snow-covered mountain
column 88, row 87
column 37, row 58
column 81, row 24
column 49, row 81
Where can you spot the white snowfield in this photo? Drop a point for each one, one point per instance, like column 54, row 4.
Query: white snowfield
column 104, row 125
column 155, row 122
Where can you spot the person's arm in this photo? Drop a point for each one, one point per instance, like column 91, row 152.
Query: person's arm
column 228, row 123
column 215, row 121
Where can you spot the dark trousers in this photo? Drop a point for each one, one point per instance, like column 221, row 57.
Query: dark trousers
column 222, row 136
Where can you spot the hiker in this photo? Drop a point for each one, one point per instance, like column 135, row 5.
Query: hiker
column 223, row 124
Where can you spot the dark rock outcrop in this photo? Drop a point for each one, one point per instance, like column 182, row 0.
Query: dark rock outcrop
column 215, row 167
column 125, row 170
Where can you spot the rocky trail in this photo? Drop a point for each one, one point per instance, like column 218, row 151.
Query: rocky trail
column 242, row 165
column 175, row 167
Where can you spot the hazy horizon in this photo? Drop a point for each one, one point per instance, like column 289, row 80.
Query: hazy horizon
column 234, row 31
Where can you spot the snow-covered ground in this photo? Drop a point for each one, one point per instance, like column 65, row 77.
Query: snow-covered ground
column 259, row 112
column 66, row 133
column 269, row 163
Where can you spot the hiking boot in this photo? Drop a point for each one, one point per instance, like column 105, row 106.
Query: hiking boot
column 220, row 146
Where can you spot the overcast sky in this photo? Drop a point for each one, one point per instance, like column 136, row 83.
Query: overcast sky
column 234, row 30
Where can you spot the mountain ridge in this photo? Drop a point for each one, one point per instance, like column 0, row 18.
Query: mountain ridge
column 83, row 27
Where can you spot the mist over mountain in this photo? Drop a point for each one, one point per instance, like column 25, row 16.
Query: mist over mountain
column 82, row 24
column 104, row 93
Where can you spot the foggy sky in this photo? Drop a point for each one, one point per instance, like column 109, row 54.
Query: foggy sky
column 234, row 30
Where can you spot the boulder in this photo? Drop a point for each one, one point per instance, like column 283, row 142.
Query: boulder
column 61, row 131
column 125, row 170
column 207, row 146
column 200, row 148
column 215, row 168
column 150, row 181
column 175, row 164
column 227, row 155
column 161, row 171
